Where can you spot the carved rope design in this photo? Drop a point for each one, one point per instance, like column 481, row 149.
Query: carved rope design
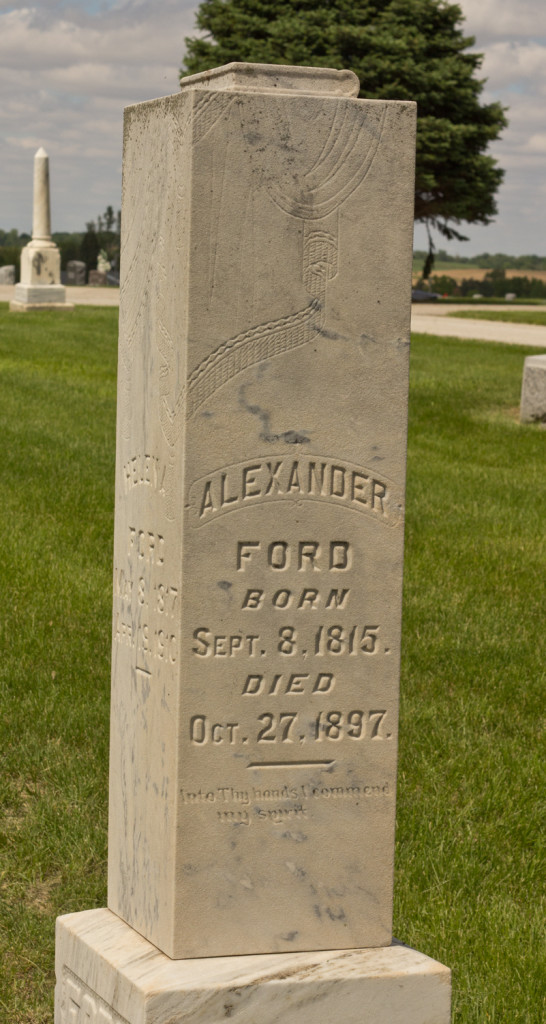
column 262, row 342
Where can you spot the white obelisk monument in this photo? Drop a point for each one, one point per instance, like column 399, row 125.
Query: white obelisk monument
column 40, row 286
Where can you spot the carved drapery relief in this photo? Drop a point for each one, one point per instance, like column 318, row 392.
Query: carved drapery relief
column 309, row 177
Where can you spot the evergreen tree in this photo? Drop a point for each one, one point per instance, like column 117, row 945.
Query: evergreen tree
column 400, row 49
column 90, row 246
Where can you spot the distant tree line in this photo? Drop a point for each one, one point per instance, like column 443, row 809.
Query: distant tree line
column 487, row 260
column 495, row 284
column 11, row 243
column 102, row 234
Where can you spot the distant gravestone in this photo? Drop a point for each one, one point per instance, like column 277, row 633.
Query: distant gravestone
column 262, row 409
column 76, row 272
column 40, row 286
column 7, row 274
column 103, row 263
column 97, row 279
column 533, row 390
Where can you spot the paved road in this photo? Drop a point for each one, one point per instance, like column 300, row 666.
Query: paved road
column 426, row 318
column 480, row 330
column 431, row 318
column 443, row 308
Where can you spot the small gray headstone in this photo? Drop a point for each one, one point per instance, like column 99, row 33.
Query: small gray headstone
column 7, row 275
column 97, row 279
column 76, row 272
column 533, row 390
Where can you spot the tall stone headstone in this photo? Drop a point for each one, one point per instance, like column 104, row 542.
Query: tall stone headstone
column 40, row 286
column 262, row 406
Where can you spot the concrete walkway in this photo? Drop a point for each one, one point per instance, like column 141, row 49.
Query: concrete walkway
column 431, row 318
column 480, row 330
column 426, row 318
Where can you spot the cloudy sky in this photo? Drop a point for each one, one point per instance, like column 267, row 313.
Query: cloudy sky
column 69, row 67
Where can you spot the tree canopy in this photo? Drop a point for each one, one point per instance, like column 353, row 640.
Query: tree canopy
column 400, row 49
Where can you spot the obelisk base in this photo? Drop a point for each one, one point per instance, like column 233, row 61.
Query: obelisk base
column 108, row 974
column 39, row 296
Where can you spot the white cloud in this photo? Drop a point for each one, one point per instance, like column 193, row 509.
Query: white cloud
column 489, row 19
column 508, row 62
column 69, row 67
column 66, row 73
column 537, row 143
column 108, row 39
column 512, row 36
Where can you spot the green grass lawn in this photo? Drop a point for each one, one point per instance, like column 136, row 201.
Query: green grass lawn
column 57, row 416
column 468, row 858
column 467, row 300
column 513, row 316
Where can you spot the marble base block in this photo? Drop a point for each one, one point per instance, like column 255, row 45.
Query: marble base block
column 108, row 974
column 533, row 390
column 41, row 263
column 39, row 296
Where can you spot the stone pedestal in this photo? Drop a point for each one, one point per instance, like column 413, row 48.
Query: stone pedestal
column 40, row 286
column 533, row 390
column 39, row 296
column 108, row 974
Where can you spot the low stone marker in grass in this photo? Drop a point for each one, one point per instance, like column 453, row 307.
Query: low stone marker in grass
column 40, row 286
column 533, row 390
column 262, row 407
column 7, row 274
column 76, row 272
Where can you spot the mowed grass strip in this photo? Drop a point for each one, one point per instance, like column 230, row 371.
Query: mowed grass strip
column 57, row 422
column 468, row 858
column 470, row 864
column 512, row 316
column 484, row 300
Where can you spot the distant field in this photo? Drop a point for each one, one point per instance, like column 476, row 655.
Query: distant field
column 511, row 316
column 441, row 267
column 460, row 271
